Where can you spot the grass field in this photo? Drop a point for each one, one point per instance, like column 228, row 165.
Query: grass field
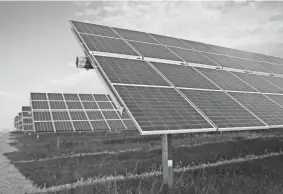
column 238, row 162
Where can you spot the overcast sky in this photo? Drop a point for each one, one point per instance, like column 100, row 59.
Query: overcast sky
column 38, row 51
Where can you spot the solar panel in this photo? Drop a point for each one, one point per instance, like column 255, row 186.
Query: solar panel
column 199, row 46
column 192, row 56
column 276, row 60
column 277, row 69
column 43, row 127
column 251, row 65
column 161, row 109
column 274, row 80
column 169, row 41
column 86, row 97
column 109, row 45
column 82, row 126
column 63, row 126
column 100, row 97
column 154, row 51
column 27, row 121
column 105, row 105
column 42, row 116
column 222, row 109
column 71, row 97
column 130, row 71
column 26, row 109
column 55, row 96
column 60, row 115
column 135, row 35
column 39, row 105
column 74, row 105
column 99, row 125
column 57, row 105
column 184, row 76
column 116, row 124
column 28, row 127
column 258, row 83
column 223, row 61
column 129, row 124
column 110, row 115
column 94, row 115
column 78, row 115
column 38, row 96
column 90, row 105
column 226, row 80
column 262, row 107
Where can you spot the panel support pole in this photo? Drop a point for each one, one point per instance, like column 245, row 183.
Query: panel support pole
column 58, row 140
column 167, row 161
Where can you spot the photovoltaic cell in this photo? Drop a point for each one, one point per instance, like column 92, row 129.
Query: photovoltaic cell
column 276, row 98
column 57, row 105
column 100, row 97
column 226, row 80
column 258, row 83
column 154, row 51
column 110, row 115
column 60, row 115
column 81, row 27
column 90, row 105
column 42, row 116
column 222, row 109
column 105, row 105
column 169, row 41
column 101, row 30
column 135, row 35
column 86, row 97
column 261, row 106
column 82, row 126
column 130, row 71
column 129, row 124
column 71, row 97
column 28, row 127
column 184, row 76
column 274, row 80
column 223, row 61
column 55, row 96
column 78, row 115
column 38, row 96
column 27, row 121
column 99, row 125
column 26, row 108
column 251, row 65
column 158, row 109
column 62, row 126
column 43, row 127
column 74, row 105
column 199, row 46
column 276, row 60
column 192, row 56
column 115, row 124
column 40, row 104
column 109, row 45
column 26, row 114
column 94, row 115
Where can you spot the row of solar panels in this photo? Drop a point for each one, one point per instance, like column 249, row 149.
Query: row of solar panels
column 56, row 112
column 105, row 39
column 182, row 98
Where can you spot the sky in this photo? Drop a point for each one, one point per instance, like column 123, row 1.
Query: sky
column 38, row 50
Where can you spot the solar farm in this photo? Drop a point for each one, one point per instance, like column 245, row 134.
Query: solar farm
column 179, row 117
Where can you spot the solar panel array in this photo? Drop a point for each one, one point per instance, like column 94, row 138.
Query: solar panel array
column 172, row 85
column 62, row 112
column 27, row 122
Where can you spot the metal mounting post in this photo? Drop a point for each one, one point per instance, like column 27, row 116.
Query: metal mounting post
column 58, row 140
column 167, row 162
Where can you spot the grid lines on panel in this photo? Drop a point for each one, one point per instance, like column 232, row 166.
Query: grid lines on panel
column 251, row 65
column 115, row 124
column 276, row 69
column 276, row 98
column 199, row 46
column 221, row 109
column 135, row 35
column 184, row 76
column 170, row 41
column 99, row 125
column 258, row 83
column 39, row 104
column 62, row 126
column 261, row 106
column 38, row 96
column 154, row 51
column 274, row 80
column 44, row 127
column 226, row 80
column 82, row 126
column 158, row 109
column 86, row 97
column 128, row 71
column 55, row 96
column 108, row 45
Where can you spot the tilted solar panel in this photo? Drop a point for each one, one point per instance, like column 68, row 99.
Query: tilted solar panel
column 42, row 116
column 262, row 107
column 38, row 96
column 226, row 80
column 70, row 97
column 99, row 125
column 200, row 46
column 110, row 115
column 60, row 115
column 115, row 124
column 128, row 71
column 86, row 97
column 276, row 98
column 82, row 126
column 62, row 126
column 184, row 76
column 55, row 96
column 57, row 105
column 94, row 115
column 74, row 105
column 277, row 69
column 105, row 105
column 39, row 105
column 222, row 109
column 90, row 105
column 249, row 64
column 258, row 83
column 100, row 97
column 44, row 127
column 161, row 109
column 169, row 41
column 278, row 81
